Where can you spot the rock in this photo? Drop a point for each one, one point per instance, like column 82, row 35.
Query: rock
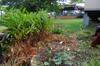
column 1, row 36
column 35, row 62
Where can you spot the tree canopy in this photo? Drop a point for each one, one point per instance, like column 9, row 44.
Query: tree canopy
column 32, row 5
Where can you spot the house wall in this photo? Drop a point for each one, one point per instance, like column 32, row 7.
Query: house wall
column 92, row 5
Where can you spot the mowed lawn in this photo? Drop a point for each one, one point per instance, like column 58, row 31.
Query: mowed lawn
column 70, row 25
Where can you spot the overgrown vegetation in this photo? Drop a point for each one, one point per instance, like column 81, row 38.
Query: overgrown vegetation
column 23, row 27
column 21, row 23
column 84, row 38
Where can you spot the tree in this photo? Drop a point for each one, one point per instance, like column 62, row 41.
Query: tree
column 32, row 5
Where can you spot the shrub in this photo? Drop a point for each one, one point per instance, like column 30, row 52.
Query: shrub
column 21, row 23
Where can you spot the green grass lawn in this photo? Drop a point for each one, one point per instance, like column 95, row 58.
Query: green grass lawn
column 70, row 25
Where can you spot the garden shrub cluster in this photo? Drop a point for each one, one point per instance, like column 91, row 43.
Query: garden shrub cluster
column 21, row 23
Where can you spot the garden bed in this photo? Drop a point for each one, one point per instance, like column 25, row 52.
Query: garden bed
column 30, row 48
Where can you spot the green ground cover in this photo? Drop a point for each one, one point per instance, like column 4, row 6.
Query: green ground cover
column 70, row 25
column 83, row 35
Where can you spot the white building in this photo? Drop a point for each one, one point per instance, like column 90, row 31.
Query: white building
column 64, row 2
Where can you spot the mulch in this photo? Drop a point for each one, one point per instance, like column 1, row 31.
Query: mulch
column 31, row 47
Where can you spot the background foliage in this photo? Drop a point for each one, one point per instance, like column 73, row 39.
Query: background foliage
column 32, row 5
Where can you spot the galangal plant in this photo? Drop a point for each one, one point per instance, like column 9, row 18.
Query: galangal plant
column 21, row 23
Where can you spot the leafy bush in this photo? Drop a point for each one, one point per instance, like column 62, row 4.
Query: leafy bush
column 21, row 23
column 42, row 21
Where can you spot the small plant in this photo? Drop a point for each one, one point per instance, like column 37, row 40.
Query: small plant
column 57, row 31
